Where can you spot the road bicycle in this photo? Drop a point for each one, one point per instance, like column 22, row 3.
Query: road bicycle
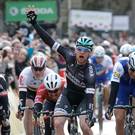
column 38, row 122
column 73, row 123
column 99, row 105
column 39, row 128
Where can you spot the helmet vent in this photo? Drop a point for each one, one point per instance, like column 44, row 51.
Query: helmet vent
column 48, row 85
column 133, row 61
column 55, row 84
column 52, row 84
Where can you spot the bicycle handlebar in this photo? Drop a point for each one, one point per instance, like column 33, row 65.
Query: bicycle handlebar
column 51, row 114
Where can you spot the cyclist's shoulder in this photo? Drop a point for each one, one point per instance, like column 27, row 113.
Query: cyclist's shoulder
column 122, row 61
column 107, row 61
column 107, row 58
column 26, row 73
column 26, row 69
column 63, row 82
column 41, row 86
column 92, row 59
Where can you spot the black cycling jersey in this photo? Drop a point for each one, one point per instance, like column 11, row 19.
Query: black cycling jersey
column 4, row 107
column 3, row 84
column 80, row 78
column 3, row 94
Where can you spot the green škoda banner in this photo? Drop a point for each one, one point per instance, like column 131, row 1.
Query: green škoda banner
column 46, row 10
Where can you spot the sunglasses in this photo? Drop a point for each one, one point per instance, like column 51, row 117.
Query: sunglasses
column 38, row 68
column 54, row 91
column 82, row 49
column 99, row 57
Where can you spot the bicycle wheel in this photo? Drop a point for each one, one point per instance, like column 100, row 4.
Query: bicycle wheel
column 73, row 127
column 128, row 130
column 100, row 113
column 37, row 129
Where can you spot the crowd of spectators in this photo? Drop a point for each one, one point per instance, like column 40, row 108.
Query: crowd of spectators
column 16, row 49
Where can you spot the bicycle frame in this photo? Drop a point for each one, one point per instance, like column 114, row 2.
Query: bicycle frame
column 72, row 116
column 99, row 97
column 73, row 124
column 73, row 128
column 38, row 129
column 129, row 124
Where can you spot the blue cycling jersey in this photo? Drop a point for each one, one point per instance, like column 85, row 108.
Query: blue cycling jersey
column 126, row 84
column 103, row 70
column 120, row 71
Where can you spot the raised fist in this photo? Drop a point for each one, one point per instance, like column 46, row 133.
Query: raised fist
column 31, row 16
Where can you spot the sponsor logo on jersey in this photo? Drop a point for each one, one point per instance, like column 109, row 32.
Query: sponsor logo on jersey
column 116, row 75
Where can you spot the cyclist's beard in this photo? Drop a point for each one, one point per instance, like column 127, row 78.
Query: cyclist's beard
column 82, row 59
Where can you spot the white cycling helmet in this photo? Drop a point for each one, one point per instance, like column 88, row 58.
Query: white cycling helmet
column 133, row 48
column 126, row 49
column 38, row 60
column 131, row 62
column 52, row 81
column 99, row 51
column 105, row 43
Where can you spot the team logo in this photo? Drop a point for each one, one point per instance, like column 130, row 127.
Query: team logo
column 116, row 75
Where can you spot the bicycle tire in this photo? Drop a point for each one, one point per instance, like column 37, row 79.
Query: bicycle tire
column 73, row 127
column 100, row 113
column 128, row 131
column 37, row 130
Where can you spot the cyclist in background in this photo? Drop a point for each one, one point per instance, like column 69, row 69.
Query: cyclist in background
column 122, row 85
column 29, row 80
column 4, row 107
column 80, row 78
column 47, row 95
column 125, row 50
column 104, row 68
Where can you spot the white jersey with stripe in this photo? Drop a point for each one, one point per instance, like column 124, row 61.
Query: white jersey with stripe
column 28, row 81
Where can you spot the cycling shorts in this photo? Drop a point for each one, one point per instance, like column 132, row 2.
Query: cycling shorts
column 49, row 105
column 31, row 94
column 63, row 106
column 125, row 90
